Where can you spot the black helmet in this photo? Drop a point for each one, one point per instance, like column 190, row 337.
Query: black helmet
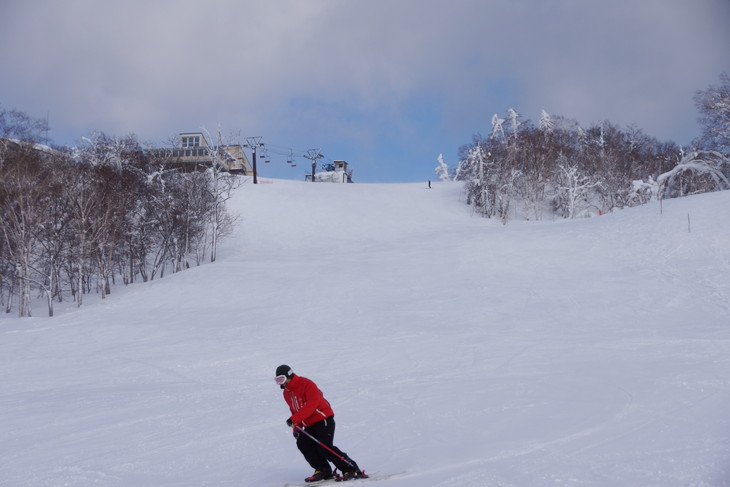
column 284, row 370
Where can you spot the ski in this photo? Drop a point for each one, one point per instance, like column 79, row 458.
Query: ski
column 344, row 483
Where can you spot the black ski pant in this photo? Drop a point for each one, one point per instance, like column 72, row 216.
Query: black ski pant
column 318, row 456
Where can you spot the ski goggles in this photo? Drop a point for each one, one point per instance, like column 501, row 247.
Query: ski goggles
column 280, row 379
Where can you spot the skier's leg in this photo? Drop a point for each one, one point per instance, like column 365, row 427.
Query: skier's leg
column 326, row 434
column 310, row 450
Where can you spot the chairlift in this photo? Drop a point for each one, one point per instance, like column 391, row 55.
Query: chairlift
column 265, row 157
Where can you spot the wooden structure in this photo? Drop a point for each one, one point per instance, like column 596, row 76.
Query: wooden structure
column 195, row 153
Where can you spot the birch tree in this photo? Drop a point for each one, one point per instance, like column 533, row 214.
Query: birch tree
column 221, row 187
column 572, row 190
column 23, row 204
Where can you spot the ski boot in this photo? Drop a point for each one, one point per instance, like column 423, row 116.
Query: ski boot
column 354, row 474
column 318, row 476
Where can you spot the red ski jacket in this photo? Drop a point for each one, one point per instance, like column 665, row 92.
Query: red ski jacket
column 306, row 402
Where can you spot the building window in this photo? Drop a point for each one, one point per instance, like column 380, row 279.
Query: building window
column 192, row 141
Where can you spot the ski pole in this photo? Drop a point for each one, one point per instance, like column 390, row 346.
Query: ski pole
column 324, row 446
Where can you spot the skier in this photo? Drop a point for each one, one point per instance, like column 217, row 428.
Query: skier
column 313, row 422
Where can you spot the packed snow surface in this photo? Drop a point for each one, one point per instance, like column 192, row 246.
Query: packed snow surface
column 456, row 351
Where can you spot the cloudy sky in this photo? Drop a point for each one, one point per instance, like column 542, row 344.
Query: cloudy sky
column 387, row 85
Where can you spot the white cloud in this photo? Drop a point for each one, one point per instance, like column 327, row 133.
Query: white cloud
column 155, row 67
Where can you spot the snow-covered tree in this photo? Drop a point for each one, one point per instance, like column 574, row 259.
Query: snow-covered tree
column 490, row 183
column 714, row 107
column 642, row 191
column 442, row 169
column 582, row 137
column 23, row 203
column 497, row 130
column 698, row 172
column 546, row 122
column 71, row 220
column 572, row 190
column 558, row 161
column 471, row 170
column 221, row 188
column 18, row 125
column 513, row 122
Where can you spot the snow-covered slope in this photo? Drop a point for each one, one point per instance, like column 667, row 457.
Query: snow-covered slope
column 455, row 350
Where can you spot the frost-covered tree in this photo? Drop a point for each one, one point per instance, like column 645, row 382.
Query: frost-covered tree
column 560, row 162
column 490, row 183
column 698, row 172
column 18, row 125
column 23, row 204
column 643, row 191
column 546, row 122
column 71, row 221
column 105, row 208
column 54, row 235
column 714, row 107
column 497, row 129
column 26, row 175
column 573, row 189
column 514, row 123
column 442, row 169
column 534, row 157
column 221, row 187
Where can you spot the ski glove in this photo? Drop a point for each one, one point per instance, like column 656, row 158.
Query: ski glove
column 290, row 423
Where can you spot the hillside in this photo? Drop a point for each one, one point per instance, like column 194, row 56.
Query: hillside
column 456, row 351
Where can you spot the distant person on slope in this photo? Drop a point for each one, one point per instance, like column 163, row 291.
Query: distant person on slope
column 313, row 422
